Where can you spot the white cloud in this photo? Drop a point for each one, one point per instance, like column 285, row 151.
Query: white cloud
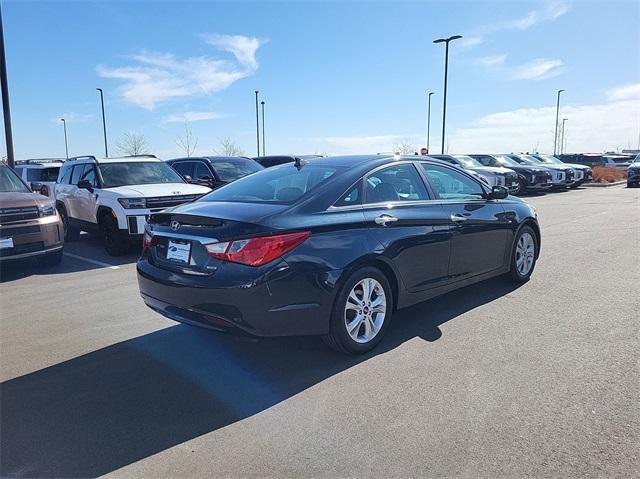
column 492, row 60
column 597, row 127
column 192, row 116
column 470, row 42
column 159, row 77
column 538, row 69
column 550, row 12
column 624, row 92
column 73, row 117
column 243, row 48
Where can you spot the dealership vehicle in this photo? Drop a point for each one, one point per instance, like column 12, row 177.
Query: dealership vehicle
column 563, row 175
column 114, row 196
column 582, row 173
column 597, row 159
column 492, row 175
column 29, row 223
column 633, row 173
column 41, row 174
column 214, row 171
column 274, row 160
column 332, row 247
column 530, row 178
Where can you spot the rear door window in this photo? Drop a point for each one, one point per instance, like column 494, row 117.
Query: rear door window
column 395, row 183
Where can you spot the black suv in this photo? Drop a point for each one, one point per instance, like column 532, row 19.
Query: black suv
column 214, row 171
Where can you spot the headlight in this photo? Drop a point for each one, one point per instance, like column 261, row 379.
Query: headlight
column 47, row 210
column 129, row 203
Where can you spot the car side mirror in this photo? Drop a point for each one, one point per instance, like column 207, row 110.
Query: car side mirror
column 85, row 185
column 187, row 178
column 36, row 186
column 498, row 193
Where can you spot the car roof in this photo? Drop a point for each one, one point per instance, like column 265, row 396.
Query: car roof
column 120, row 159
column 40, row 162
column 209, row 158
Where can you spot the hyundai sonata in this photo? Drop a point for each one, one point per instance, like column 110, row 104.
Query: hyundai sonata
column 332, row 247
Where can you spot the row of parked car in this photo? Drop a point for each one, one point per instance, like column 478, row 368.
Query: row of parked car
column 113, row 197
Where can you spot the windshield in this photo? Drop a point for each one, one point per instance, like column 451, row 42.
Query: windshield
column 532, row 160
column 549, row 159
column 506, row 161
column 231, row 169
column 283, row 184
column 10, row 183
column 468, row 161
column 137, row 173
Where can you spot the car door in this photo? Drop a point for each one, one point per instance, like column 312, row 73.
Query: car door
column 85, row 199
column 413, row 229
column 481, row 232
column 202, row 174
column 184, row 169
column 72, row 192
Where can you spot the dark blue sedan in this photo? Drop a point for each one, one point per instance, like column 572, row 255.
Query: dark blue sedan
column 332, row 247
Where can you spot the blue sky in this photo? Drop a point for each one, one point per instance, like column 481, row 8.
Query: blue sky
column 337, row 77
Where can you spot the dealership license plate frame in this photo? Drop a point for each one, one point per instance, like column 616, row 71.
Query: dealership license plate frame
column 182, row 252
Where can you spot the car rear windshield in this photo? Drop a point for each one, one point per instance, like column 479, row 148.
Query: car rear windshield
column 231, row 169
column 10, row 183
column 137, row 173
column 43, row 174
column 283, row 184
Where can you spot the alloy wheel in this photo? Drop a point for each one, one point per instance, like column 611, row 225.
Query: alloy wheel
column 365, row 310
column 525, row 253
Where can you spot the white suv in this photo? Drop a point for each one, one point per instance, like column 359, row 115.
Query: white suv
column 40, row 175
column 114, row 196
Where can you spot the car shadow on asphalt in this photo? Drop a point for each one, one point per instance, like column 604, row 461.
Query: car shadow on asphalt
column 101, row 411
column 83, row 255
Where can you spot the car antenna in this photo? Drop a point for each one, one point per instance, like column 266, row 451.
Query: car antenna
column 299, row 163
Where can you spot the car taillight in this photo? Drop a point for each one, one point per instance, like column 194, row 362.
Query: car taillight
column 44, row 190
column 148, row 240
column 256, row 251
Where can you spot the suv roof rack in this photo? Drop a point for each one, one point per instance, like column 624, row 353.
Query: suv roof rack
column 146, row 155
column 83, row 157
column 38, row 161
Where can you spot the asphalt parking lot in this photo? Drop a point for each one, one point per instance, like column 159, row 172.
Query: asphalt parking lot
column 541, row 380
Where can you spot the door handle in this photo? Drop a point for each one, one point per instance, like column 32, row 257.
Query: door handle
column 458, row 218
column 384, row 219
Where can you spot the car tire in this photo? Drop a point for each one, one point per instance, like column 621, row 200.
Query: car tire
column 522, row 187
column 524, row 255
column 370, row 314
column 70, row 233
column 116, row 243
column 50, row 259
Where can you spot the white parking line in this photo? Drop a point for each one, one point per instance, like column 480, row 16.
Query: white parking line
column 92, row 261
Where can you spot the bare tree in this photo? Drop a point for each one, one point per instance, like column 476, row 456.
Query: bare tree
column 404, row 147
column 133, row 143
column 228, row 147
column 188, row 142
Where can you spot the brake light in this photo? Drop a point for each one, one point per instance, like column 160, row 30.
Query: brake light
column 44, row 190
column 256, row 251
column 148, row 240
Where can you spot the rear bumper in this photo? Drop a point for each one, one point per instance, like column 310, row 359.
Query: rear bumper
column 277, row 302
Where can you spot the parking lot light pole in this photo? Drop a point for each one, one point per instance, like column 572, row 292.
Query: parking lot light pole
column 429, row 119
column 555, row 137
column 264, row 151
column 66, row 147
column 563, row 140
column 257, row 124
column 104, row 124
column 5, row 98
column 446, row 68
